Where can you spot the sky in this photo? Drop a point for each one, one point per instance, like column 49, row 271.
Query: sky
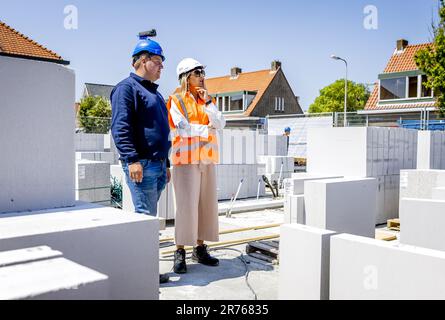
column 224, row 34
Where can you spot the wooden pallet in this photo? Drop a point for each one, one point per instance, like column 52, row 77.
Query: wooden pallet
column 264, row 250
column 393, row 224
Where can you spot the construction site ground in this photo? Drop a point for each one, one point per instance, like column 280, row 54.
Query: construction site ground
column 228, row 280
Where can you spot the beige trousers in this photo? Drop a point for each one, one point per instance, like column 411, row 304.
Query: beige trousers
column 196, row 204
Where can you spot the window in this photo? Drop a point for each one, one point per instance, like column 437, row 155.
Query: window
column 425, row 92
column 413, row 86
column 279, row 104
column 393, row 89
column 236, row 102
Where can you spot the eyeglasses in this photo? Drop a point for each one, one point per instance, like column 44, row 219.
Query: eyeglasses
column 199, row 73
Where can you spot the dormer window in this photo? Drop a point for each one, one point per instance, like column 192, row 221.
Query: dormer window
column 391, row 89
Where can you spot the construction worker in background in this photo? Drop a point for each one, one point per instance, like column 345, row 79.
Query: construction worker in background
column 287, row 132
column 141, row 131
column 194, row 119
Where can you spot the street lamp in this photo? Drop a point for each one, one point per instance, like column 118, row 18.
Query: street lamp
column 346, row 87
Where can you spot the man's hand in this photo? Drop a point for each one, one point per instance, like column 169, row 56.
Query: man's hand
column 136, row 172
column 169, row 175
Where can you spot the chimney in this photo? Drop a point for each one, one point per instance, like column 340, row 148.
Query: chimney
column 402, row 44
column 235, row 72
column 276, row 65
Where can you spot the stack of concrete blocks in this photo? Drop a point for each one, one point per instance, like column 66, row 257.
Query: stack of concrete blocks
column 431, row 150
column 96, row 147
column 96, row 237
column 37, row 145
column 368, row 152
column 346, row 205
column 294, row 211
column 304, row 263
column 93, row 182
column 369, row 269
column 41, row 273
column 238, row 151
column 422, row 184
column 276, row 164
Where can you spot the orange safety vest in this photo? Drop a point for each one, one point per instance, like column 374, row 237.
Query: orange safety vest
column 194, row 150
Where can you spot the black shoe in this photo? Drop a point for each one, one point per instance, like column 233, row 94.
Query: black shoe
column 201, row 255
column 180, row 265
column 163, row 278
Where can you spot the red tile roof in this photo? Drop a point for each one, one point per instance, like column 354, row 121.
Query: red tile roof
column 257, row 81
column 404, row 60
column 14, row 43
column 399, row 62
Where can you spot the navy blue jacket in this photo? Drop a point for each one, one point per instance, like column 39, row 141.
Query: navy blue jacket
column 139, row 122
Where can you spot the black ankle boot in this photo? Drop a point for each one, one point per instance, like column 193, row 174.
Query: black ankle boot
column 180, row 265
column 201, row 255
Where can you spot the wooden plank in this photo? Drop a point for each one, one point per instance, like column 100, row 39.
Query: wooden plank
column 273, row 244
column 393, row 223
column 385, row 236
column 264, row 247
column 263, row 257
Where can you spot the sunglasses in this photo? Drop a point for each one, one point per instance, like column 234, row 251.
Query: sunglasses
column 199, row 73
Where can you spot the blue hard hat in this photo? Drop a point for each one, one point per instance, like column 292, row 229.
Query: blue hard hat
column 150, row 46
column 287, row 129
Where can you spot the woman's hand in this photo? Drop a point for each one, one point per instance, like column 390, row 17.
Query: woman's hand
column 203, row 94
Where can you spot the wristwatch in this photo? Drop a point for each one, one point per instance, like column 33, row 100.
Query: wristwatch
column 209, row 101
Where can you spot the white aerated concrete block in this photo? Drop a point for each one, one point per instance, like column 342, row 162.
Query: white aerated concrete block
column 37, row 127
column 294, row 211
column 41, row 273
column 438, row 194
column 431, row 150
column 420, row 183
column 369, row 269
column 304, row 263
column 89, row 142
column 342, row 205
column 423, row 223
column 93, row 182
column 103, row 239
column 295, row 185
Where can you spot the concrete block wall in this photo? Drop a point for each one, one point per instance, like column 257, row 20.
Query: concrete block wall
column 365, row 152
column 369, row 269
column 96, row 156
column 343, row 205
column 304, row 263
column 93, row 182
column 37, row 128
column 89, row 142
column 295, row 184
column 431, row 150
column 423, row 222
column 41, row 273
column 99, row 238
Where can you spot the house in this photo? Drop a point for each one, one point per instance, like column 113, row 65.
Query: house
column 95, row 89
column 400, row 92
column 246, row 98
column 16, row 45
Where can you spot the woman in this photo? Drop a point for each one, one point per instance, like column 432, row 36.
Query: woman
column 194, row 119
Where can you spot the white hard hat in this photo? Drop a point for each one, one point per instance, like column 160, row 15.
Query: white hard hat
column 187, row 65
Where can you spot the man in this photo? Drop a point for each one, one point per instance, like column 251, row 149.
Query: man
column 141, row 130
column 287, row 132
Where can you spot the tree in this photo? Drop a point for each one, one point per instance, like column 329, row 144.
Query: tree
column 332, row 97
column 95, row 114
column 432, row 60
